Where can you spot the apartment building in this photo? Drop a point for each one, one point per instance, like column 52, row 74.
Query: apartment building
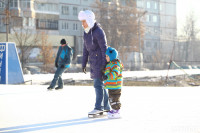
column 58, row 18
column 160, row 33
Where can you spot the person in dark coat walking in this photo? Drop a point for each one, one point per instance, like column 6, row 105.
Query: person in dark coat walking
column 62, row 62
column 94, row 49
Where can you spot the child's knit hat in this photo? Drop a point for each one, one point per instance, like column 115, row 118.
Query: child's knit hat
column 112, row 53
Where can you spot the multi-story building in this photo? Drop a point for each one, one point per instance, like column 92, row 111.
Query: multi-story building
column 58, row 18
column 160, row 33
column 69, row 23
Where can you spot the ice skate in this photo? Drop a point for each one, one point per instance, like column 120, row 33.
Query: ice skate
column 95, row 113
column 58, row 88
column 49, row 88
column 114, row 114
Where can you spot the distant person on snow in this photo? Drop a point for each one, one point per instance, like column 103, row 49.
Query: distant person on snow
column 62, row 62
column 94, row 49
column 113, row 81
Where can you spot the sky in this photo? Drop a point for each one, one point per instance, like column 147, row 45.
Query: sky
column 184, row 7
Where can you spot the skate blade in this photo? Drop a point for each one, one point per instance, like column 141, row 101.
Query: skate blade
column 96, row 115
column 114, row 117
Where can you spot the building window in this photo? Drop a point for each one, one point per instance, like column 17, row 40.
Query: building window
column 47, row 24
column 155, row 18
column 65, row 25
column 140, row 3
column 160, row 7
column 25, row 4
column 75, row 11
column 49, row 7
column 25, row 21
column 156, row 6
column 28, row 21
column 75, row 26
column 148, row 4
column 149, row 18
column 31, row 22
column 65, row 10
column 13, row 3
column 2, row 5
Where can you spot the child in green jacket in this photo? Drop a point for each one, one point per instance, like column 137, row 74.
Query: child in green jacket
column 113, row 81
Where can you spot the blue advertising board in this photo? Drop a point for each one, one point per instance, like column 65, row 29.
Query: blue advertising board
column 2, row 63
column 10, row 67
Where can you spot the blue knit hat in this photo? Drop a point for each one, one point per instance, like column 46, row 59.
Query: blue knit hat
column 112, row 53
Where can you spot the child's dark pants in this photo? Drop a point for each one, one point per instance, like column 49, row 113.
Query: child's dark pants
column 114, row 98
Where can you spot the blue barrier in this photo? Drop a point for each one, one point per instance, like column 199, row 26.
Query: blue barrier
column 10, row 67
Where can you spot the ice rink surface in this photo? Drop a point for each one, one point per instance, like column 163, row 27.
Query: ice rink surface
column 33, row 109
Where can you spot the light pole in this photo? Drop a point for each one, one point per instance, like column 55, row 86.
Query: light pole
column 7, row 16
column 139, row 37
column 7, row 19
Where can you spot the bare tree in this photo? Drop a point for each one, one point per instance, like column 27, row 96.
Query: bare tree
column 190, row 32
column 46, row 52
column 6, row 13
column 25, row 39
column 156, row 59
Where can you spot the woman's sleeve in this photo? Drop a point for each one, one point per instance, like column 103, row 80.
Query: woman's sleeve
column 85, row 56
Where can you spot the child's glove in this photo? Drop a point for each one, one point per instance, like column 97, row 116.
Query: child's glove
column 62, row 66
column 105, row 77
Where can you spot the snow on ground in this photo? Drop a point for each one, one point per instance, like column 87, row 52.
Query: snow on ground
column 33, row 109
column 42, row 78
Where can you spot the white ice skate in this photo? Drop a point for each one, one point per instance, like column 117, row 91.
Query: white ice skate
column 114, row 114
column 95, row 113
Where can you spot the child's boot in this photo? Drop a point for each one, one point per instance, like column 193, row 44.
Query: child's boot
column 114, row 114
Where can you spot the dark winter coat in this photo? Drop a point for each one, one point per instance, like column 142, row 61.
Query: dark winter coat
column 95, row 45
column 64, row 56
